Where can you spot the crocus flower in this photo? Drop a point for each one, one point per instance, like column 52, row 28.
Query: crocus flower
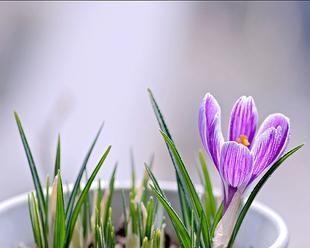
column 246, row 154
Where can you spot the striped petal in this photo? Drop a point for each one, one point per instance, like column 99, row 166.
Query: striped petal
column 243, row 119
column 236, row 164
column 210, row 127
column 270, row 142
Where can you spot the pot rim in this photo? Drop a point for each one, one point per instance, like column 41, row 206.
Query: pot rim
column 262, row 209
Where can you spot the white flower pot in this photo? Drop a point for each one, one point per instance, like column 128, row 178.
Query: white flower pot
column 262, row 227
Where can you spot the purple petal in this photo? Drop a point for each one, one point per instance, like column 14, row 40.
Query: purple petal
column 243, row 119
column 236, row 164
column 270, row 142
column 210, row 127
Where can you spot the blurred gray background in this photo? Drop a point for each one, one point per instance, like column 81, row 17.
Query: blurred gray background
column 66, row 67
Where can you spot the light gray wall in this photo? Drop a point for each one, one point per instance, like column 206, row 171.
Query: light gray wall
column 66, row 67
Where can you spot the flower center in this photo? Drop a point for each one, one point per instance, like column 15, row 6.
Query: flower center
column 243, row 139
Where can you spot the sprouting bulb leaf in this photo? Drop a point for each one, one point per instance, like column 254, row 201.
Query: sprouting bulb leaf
column 149, row 220
column 57, row 160
column 190, row 189
column 132, row 241
column 52, row 211
column 34, row 217
column 60, row 228
column 35, row 176
column 145, row 243
column 81, row 199
column 184, row 201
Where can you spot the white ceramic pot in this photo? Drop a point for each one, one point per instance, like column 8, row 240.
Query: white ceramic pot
column 262, row 227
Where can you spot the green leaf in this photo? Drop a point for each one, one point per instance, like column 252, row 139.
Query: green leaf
column 133, row 215
column 109, row 201
column 98, row 203
column 78, row 205
column 77, row 183
column 255, row 191
column 145, row 243
column 190, row 189
column 47, row 204
column 156, row 238
column 149, row 218
column 99, row 240
column 35, row 223
column 60, row 228
column 198, row 234
column 217, row 219
column 178, row 225
column 210, row 201
column 85, row 216
column 145, row 180
column 154, row 181
column 57, row 160
column 184, row 202
column 111, row 234
column 193, row 243
column 34, row 173
column 133, row 173
column 140, row 221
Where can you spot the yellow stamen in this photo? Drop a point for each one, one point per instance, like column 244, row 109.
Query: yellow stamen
column 243, row 139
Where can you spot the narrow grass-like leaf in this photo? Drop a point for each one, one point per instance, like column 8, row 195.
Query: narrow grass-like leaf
column 154, row 181
column 149, row 219
column 109, row 201
column 177, row 223
column 179, row 227
column 186, row 212
column 133, row 216
column 217, row 219
column 193, row 243
column 190, row 189
column 85, row 216
column 98, row 202
column 77, row 183
column 34, row 173
column 145, row 181
column 198, row 233
column 184, row 202
column 133, row 173
column 210, row 201
column 145, row 243
column 255, row 191
column 140, row 221
column 57, row 160
column 99, row 239
column 46, row 210
column 35, row 223
column 110, row 239
column 78, row 205
column 88, row 206
column 156, row 238
column 60, row 228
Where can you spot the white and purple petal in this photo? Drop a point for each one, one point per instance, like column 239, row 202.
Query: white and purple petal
column 236, row 164
column 270, row 142
column 243, row 119
column 210, row 127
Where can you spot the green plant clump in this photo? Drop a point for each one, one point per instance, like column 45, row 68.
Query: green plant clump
column 62, row 217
